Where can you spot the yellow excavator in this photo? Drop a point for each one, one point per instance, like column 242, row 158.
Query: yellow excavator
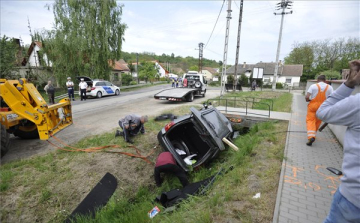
column 25, row 113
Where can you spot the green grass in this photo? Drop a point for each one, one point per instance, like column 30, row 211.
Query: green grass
column 46, row 186
column 262, row 100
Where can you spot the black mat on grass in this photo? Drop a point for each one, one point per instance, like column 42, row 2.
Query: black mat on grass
column 97, row 198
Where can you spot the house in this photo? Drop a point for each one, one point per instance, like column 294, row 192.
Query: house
column 119, row 67
column 287, row 74
column 208, row 72
column 163, row 72
column 35, row 65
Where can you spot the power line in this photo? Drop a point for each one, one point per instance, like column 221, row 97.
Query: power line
column 215, row 24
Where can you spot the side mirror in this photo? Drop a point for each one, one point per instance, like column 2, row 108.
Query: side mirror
column 205, row 82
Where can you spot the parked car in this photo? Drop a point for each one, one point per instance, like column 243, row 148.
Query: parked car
column 200, row 133
column 98, row 88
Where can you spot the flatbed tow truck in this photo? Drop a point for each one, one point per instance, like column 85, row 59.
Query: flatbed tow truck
column 196, row 86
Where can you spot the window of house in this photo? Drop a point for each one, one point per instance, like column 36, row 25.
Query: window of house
column 266, row 79
column 39, row 59
column 116, row 77
column 288, row 80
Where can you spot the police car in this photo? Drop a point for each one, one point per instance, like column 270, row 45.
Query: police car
column 98, row 88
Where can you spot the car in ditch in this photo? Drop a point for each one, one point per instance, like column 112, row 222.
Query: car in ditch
column 197, row 135
column 98, row 87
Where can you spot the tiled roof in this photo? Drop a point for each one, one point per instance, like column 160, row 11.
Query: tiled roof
column 210, row 69
column 119, row 65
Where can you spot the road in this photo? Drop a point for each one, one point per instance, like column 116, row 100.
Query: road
column 96, row 116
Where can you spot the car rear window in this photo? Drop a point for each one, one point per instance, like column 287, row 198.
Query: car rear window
column 100, row 84
column 192, row 77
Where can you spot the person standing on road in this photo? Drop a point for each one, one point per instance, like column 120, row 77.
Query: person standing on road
column 185, row 82
column 177, row 83
column 172, row 82
column 316, row 95
column 166, row 163
column 131, row 126
column 253, row 85
column 50, row 91
column 342, row 108
column 83, row 86
column 70, row 87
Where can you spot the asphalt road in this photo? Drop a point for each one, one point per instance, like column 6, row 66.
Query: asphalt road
column 96, row 116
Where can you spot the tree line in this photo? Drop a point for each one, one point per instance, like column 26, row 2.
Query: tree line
column 326, row 57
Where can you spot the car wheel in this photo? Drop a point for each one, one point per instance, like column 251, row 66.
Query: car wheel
column 197, row 84
column 179, row 144
column 204, row 93
column 190, row 97
column 117, row 92
column 99, row 94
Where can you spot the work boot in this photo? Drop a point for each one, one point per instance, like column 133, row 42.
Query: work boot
column 310, row 142
column 118, row 133
column 130, row 141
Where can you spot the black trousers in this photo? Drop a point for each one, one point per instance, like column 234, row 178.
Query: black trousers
column 172, row 169
column 83, row 94
column 71, row 93
column 51, row 97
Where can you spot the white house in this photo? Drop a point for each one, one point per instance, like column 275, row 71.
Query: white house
column 161, row 70
column 287, row 74
column 35, row 58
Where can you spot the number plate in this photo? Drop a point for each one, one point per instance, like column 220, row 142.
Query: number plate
column 11, row 117
column 162, row 98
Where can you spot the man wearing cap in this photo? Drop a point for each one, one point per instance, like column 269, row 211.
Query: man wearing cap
column 82, row 86
column 70, row 87
column 131, row 126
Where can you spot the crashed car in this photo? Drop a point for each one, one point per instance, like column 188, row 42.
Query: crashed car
column 196, row 137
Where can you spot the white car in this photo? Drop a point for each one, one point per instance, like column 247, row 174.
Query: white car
column 98, row 88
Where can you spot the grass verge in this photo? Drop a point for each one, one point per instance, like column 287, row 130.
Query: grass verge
column 47, row 188
column 262, row 100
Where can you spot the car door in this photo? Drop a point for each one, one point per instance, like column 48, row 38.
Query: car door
column 109, row 88
column 215, row 123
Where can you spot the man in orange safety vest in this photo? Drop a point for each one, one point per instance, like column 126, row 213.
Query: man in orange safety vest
column 316, row 95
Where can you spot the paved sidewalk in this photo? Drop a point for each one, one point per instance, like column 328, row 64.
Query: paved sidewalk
column 305, row 186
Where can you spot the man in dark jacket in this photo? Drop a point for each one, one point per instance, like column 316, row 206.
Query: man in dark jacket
column 166, row 163
column 131, row 126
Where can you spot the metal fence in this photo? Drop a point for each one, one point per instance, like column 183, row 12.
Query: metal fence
column 253, row 100
column 236, row 105
column 59, row 97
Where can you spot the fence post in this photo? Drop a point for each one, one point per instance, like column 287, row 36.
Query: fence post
column 252, row 106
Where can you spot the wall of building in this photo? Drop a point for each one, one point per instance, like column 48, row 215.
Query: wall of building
column 338, row 130
column 34, row 58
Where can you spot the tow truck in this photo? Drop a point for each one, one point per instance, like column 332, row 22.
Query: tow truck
column 25, row 113
column 196, row 86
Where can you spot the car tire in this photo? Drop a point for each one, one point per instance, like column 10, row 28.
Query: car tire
column 117, row 92
column 99, row 94
column 5, row 141
column 204, row 94
column 190, row 97
column 197, row 84
column 179, row 144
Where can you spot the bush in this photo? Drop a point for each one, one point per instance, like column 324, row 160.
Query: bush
column 133, row 83
column 164, row 79
column 244, row 80
column 214, row 83
column 230, row 79
column 126, row 79
column 279, row 85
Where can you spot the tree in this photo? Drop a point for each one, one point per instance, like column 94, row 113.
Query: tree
column 194, row 67
column 87, row 38
column 323, row 55
column 8, row 56
column 148, row 71
column 331, row 74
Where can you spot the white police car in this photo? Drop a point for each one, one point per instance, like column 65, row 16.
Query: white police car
column 98, row 88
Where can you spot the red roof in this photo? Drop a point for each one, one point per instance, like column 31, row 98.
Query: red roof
column 119, row 65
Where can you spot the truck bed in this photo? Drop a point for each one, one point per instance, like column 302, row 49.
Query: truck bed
column 173, row 93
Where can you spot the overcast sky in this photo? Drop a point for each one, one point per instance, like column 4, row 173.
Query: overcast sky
column 179, row 26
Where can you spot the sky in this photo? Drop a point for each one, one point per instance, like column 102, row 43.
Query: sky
column 179, row 26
